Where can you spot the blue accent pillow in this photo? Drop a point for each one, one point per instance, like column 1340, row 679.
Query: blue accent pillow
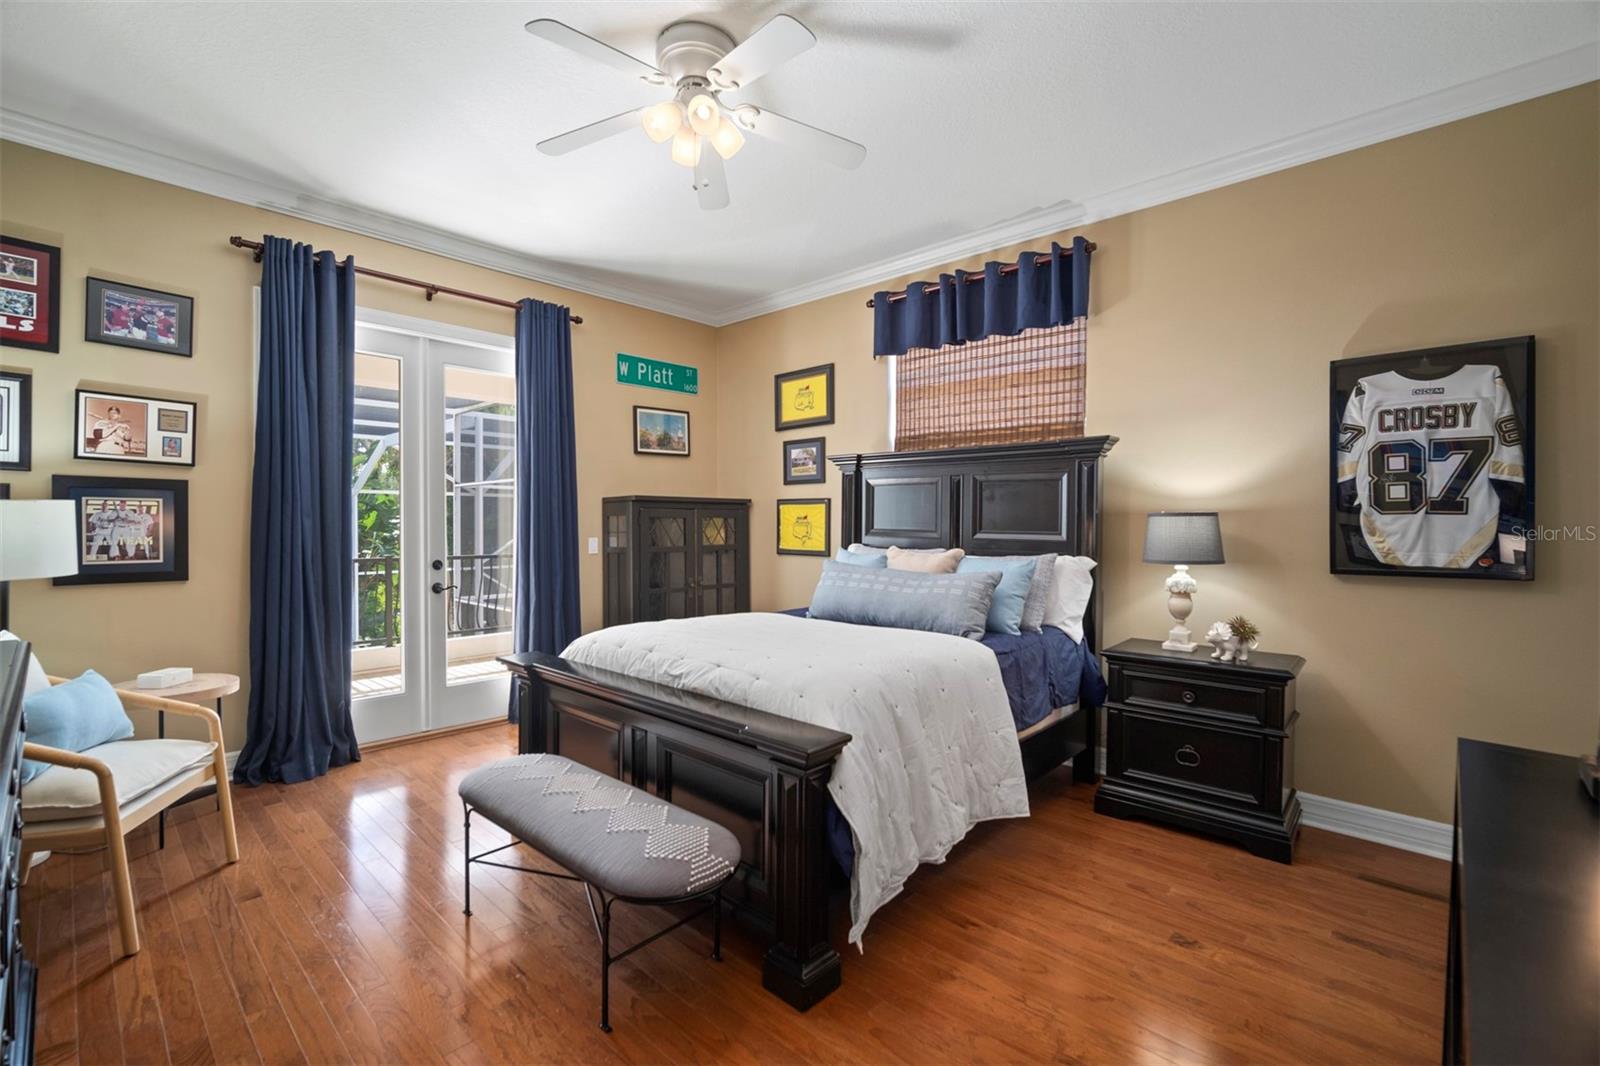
column 1011, row 595
column 869, row 560
column 76, row 715
column 904, row 599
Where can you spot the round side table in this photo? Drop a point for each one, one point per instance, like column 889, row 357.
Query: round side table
column 199, row 689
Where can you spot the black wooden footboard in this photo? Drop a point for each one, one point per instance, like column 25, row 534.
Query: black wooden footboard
column 763, row 777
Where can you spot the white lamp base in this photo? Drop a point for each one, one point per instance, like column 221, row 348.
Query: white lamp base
column 1180, row 604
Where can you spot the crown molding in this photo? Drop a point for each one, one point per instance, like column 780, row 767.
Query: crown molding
column 1502, row 89
column 92, row 148
column 1541, row 77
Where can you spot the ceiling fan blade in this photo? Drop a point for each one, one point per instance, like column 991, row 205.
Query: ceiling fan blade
column 564, row 35
column 711, row 180
column 797, row 135
column 763, row 52
column 584, row 136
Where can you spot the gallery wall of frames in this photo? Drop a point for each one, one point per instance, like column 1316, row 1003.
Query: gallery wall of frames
column 129, row 528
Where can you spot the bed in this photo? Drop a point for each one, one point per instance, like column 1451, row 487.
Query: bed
column 765, row 776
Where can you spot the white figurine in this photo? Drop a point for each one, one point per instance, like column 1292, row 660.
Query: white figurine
column 1230, row 648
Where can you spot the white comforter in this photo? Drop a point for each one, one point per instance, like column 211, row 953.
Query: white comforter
column 934, row 750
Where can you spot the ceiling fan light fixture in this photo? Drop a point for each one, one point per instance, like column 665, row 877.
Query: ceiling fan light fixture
column 727, row 140
column 686, row 147
column 663, row 120
column 704, row 115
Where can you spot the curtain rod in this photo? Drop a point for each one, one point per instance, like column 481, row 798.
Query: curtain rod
column 428, row 287
column 1011, row 268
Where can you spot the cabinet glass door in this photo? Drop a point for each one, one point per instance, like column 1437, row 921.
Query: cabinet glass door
column 668, row 573
column 719, row 562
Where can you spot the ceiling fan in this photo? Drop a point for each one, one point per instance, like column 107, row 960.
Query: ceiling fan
column 699, row 63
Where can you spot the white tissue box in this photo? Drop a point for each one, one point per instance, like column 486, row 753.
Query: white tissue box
column 166, row 677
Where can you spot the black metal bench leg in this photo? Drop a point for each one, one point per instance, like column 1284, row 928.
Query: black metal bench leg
column 716, row 926
column 605, row 965
column 466, row 867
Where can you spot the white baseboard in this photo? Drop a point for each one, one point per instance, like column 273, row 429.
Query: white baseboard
column 1377, row 825
column 233, row 760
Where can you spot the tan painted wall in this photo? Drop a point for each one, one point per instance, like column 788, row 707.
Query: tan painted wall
column 1212, row 325
column 114, row 225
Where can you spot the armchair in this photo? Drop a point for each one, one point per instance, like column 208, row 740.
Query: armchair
column 68, row 814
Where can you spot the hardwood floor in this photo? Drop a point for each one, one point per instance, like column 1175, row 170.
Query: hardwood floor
column 1068, row 936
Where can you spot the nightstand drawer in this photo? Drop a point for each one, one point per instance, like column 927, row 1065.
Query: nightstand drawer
column 1217, row 765
column 1170, row 690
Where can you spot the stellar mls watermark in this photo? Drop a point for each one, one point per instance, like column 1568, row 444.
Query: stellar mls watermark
column 1580, row 534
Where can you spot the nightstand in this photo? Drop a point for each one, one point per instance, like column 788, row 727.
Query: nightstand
column 1202, row 744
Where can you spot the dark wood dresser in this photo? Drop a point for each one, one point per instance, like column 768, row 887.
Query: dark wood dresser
column 19, row 975
column 1522, row 981
column 674, row 557
column 1202, row 744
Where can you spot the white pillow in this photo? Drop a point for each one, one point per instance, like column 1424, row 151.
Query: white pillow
column 37, row 680
column 867, row 549
column 939, row 562
column 1070, row 598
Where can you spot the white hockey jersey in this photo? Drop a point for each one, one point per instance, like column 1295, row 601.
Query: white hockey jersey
column 1421, row 454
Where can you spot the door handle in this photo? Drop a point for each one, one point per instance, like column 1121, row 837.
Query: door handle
column 440, row 587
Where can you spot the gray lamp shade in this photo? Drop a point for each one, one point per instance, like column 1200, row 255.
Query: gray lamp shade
column 1191, row 537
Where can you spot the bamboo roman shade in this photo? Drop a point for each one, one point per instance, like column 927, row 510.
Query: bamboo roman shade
column 999, row 390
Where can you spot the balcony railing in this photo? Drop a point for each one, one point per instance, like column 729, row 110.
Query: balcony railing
column 480, row 603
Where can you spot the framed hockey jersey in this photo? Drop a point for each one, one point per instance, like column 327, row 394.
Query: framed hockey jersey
column 1432, row 462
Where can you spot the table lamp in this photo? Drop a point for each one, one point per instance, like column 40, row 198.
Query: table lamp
column 38, row 538
column 1184, row 539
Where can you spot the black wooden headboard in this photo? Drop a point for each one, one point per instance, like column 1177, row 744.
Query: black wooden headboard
column 1014, row 499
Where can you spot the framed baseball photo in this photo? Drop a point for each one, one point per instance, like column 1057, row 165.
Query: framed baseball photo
column 30, row 295
column 805, row 461
column 803, row 398
column 134, row 429
column 128, row 529
column 804, row 527
column 1431, row 471
column 657, row 431
column 135, row 317
column 16, row 420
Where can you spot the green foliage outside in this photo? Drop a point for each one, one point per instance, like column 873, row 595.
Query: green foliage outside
column 377, row 537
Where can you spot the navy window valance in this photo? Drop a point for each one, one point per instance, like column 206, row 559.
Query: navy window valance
column 1009, row 298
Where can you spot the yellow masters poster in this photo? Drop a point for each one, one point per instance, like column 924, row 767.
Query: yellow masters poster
column 803, row 527
column 804, row 397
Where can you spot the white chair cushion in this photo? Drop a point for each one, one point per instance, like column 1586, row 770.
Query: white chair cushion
column 37, row 680
column 137, row 766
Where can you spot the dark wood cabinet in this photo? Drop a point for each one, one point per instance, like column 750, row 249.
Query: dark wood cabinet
column 1202, row 744
column 17, row 974
column 1522, row 978
column 675, row 557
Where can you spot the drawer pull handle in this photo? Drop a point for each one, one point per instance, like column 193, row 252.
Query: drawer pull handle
column 1188, row 696
column 1187, row 756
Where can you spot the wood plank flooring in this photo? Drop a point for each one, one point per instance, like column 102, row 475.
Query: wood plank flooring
column 1066, row 936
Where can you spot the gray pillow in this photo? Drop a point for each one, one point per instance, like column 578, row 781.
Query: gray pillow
column 1039, row 589
column 957, row 604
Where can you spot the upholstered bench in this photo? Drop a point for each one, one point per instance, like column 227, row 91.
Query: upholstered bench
column 617, row 841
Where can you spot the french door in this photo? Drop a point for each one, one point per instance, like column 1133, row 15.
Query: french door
column 434, row 485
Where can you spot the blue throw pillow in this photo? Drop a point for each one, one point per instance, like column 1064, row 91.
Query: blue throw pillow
column 1011, row 595
column 904, row 599
column 76, row 715
column 872, row 561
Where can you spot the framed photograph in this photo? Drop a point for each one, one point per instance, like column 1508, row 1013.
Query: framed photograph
column 803, row 398
column 133, row 317
column 804, row 461
column 133, row 429
column 16, row 420
column 128, row 529
column 657, row 431
column 1431, row 471
column 30, row 295
column 804, row 527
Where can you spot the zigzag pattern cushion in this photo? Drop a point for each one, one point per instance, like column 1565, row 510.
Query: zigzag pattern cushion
column 608, row 833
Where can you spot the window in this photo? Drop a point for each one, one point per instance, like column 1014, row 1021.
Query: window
column 999, row 390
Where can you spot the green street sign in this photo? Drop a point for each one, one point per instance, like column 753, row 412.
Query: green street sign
column 656, row 374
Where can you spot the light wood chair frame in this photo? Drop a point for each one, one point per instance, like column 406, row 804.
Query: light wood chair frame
column 113, row 821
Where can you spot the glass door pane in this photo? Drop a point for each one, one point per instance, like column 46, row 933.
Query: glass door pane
column 377, row 664
column 478, row 497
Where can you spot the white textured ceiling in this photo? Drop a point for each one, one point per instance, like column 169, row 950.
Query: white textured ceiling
column 973, row 113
